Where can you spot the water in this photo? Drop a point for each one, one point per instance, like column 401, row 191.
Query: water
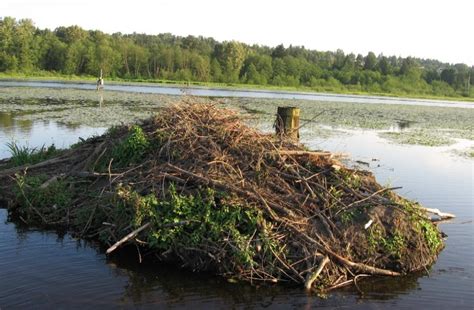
column 215, row 92
column 47, row 270
column 35, row 134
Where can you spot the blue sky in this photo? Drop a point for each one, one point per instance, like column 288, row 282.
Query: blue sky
column 429, row 29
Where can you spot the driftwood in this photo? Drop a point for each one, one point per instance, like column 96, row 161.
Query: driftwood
column 442, row 215
column 312, row 277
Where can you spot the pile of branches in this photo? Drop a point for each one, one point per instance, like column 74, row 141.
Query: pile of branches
column 196, row 185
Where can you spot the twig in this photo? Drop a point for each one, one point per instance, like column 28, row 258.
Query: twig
column 312, row 277
column 128, row 237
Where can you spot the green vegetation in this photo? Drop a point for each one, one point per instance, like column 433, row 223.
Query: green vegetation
column 469, row 153
column 431, row 234
column 190, row 221
column 393, row 244
column 418, row 137
column 423, row 225
column 22, row 155
column 41, row 200
column 132, row 149
column 73, row 52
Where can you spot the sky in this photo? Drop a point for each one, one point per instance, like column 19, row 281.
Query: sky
column 442, row 30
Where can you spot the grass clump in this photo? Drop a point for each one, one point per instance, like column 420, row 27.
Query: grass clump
column 22, row 155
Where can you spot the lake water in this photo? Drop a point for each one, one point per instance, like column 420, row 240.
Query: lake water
column 215, row 92
column 46, row 270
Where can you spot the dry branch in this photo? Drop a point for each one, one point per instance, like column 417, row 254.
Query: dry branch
column 312, row 277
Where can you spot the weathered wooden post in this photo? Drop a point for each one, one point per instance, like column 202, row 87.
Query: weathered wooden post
column 288, row 122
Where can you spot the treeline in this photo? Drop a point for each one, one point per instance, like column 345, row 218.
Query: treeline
column 75, row 51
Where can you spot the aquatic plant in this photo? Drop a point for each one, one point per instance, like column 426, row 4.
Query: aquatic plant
column 417, row 137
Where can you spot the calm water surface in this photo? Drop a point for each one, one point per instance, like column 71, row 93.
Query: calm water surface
column 216, row 92
column 45, row 270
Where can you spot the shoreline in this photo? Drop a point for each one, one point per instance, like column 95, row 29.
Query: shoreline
column 237, row 87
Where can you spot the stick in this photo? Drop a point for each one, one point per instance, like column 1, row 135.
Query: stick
column 230, row 188
column 312, row 277
column 442, row 215
column 300, row 153
column 56, row 160
column 131, row 235
column 358, row 266
column 134, row 233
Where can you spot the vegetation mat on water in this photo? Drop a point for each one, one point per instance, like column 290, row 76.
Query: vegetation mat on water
column 195, row 185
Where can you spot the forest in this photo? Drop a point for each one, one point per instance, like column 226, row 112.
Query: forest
column 73, row 51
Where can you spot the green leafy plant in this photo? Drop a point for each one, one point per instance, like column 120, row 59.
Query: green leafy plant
column 188, row 221
column 432, row 235
column 22, row 155
column 132, row 149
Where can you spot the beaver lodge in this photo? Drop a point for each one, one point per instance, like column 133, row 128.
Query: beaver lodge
column 196, row 186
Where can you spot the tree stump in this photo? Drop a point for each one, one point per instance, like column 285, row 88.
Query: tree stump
column 288, row 122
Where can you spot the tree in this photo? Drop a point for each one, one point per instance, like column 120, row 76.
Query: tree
column 231, row 56
column 448, row 76
column 339, row 59
column 200, row 67
column 53, row 53
column 408, row 64
column 252, row 76
column 8, row 58
column 383, row 66
column 279, row 51
column 359, row 63
column 370, row 61
column 73, row 50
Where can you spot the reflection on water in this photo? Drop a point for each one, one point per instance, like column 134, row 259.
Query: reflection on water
column 101, row 99
column 8, row 125
column 402, row 125
column 42, row 268
column 41, row 132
